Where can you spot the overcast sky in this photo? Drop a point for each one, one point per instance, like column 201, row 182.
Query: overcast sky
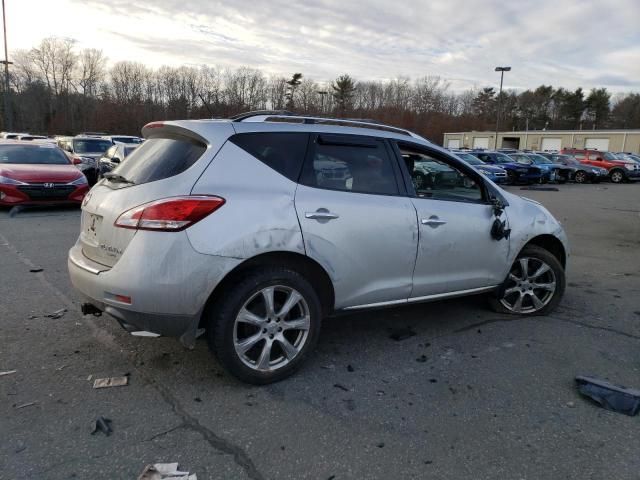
column 568, row 43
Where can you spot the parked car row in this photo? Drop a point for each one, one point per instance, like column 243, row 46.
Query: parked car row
column 36, row 171
column 569, row 165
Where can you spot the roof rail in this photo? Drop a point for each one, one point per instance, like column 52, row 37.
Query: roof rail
column 257, row 113
column 289, row 117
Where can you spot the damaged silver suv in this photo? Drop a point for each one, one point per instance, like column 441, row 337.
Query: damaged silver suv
column 255, row 228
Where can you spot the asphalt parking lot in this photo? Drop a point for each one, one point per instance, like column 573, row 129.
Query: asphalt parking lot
column 472, row 395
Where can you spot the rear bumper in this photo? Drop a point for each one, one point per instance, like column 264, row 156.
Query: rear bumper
column 168, row 284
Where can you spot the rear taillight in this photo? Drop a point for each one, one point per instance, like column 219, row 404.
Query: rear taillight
column 169, row 214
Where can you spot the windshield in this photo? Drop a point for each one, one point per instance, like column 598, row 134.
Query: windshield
column 502, row 158
column 539, row 159
column 91, row 146
column 470, row 159
column 521, row 158
column 45, row 154
column 126, row 139
column 566, row 159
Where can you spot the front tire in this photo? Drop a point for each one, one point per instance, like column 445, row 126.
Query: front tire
column 617, row 176
column 534, row 286
column 265, row 326
column 580, row 177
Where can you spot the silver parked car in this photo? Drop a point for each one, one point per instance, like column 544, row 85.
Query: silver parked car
column 256, row 228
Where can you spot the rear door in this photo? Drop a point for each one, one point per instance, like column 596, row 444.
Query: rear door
column 456, row 251
column 356, row 219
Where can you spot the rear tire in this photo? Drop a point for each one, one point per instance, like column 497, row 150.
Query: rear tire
column 251, row 336
column 534, row 286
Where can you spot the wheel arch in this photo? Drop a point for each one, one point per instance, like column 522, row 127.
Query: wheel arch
column 551, row 244
column 302, row 264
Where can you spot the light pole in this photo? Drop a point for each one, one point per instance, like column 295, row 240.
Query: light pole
column 322, row 94
column 501, row 70
column 7, row 98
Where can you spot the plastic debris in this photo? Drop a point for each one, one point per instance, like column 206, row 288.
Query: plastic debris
column 36, row 270
column 102, row 425
column 17, row 407
column 161, row 471
column 421, row 359
column 341, row 387
column 609, row 396
column 111, row 382
column 8, row 372
column 401, row 334
column 57, row 314
column 350, row 369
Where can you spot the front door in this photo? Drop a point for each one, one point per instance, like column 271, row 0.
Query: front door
column 356, row 219
column 456, row 251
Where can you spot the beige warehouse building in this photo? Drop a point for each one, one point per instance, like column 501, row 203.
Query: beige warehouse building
column 605, row 140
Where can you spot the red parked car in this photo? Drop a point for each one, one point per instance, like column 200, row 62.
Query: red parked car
column 38, row 173
column 619, row 170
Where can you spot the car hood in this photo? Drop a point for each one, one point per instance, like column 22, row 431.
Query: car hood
column 489, row 168
column 35, row 173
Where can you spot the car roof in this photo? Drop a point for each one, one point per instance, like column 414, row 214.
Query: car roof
column 209, row 128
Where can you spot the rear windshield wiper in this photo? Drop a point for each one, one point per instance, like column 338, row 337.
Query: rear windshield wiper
column 114, row 177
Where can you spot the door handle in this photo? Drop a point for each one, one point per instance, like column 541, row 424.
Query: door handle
column 433, row 221
column 321, row 214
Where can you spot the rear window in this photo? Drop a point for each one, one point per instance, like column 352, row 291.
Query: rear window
column 284, row 152
column 160, row 158
column 48, row 155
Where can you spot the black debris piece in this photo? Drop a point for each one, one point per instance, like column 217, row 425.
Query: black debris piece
column 609, row 396
column 541, row 189
column 341, row 387
column 380, row 445
column 402, row 334
column 433, row 380
column 350, row 369
column 36, row 270
column 102, row 425
column 421, row 359
column 197, row 399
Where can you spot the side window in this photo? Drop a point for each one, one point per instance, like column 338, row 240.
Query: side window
column 485, row 158
column 284, row 152
column 352, row 164
column 434, row 178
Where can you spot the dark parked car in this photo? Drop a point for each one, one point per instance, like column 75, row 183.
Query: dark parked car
column 553, row 172
column 113, row 157
column 579, row 173
column 84, row 153
column 492, row 172
column 516, row 172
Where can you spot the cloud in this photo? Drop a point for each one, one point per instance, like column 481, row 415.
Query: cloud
column 561, row 42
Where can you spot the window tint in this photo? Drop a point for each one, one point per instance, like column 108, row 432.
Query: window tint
column 91, row 146
column 433, row 178
column 159, row 158
column 346, row 164
column 284, row 152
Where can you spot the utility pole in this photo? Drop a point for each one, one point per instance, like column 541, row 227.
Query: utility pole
column 322, row 94
column 501, row 70
column 7, row 93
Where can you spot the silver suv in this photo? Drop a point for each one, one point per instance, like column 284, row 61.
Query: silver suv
column 256, row 228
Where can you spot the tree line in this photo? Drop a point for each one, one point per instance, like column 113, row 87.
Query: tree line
column 57, row 88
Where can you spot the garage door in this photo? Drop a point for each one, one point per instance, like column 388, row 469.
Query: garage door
column 551, row 144
column 601, row 144
column 454, row 144
column 481, row 142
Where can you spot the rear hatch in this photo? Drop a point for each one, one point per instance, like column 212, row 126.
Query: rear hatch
column 166, row 165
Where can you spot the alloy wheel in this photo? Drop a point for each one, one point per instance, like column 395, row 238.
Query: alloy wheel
column 617, row 177
column 271, row 328
column 580, row 177
column 531, row 285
